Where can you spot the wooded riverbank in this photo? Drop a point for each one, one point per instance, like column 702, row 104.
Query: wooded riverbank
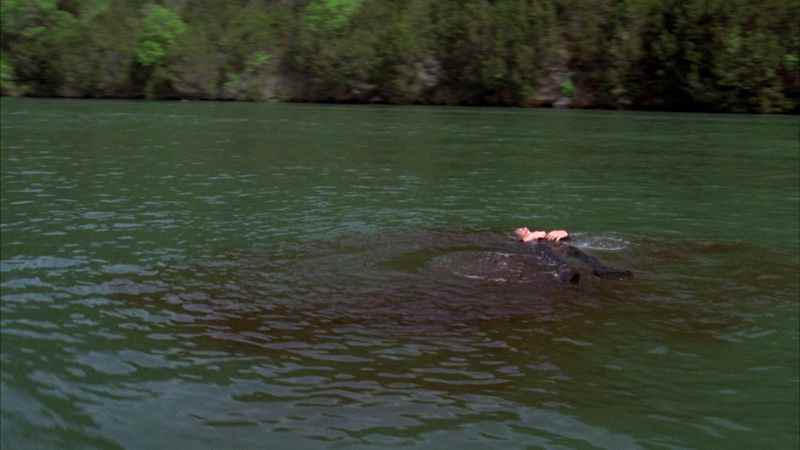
column 704, row 55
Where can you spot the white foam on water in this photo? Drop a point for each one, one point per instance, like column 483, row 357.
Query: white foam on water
column 603, row 242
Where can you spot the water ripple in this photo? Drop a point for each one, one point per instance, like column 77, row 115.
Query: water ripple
column 174, row 267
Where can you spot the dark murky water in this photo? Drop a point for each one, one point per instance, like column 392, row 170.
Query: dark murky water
column 237, row 276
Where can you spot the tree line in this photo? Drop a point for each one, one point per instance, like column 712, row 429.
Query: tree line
column 707, row 55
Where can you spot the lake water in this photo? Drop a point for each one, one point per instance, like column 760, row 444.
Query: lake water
column 252, row 276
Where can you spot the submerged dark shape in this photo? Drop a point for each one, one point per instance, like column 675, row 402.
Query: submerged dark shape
column 539, row 263
column 560, row 254
column 427, row 284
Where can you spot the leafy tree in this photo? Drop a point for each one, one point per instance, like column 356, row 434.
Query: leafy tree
column 30, row 31
column 161, row 27
column 717, row 55
column 96, row 52
column 7, row 82
column 330, row 15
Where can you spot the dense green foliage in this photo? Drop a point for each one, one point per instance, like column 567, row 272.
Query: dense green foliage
column 161, row 27
column 714, row 55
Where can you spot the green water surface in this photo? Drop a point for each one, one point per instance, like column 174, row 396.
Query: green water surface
column 258, row 276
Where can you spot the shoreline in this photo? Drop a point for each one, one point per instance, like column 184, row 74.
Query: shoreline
column 796, row 112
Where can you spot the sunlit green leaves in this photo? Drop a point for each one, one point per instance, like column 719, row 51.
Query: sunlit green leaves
column 161, row 27
column 330, row 15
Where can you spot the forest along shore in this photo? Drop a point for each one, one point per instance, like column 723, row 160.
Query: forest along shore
column 718, row 55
